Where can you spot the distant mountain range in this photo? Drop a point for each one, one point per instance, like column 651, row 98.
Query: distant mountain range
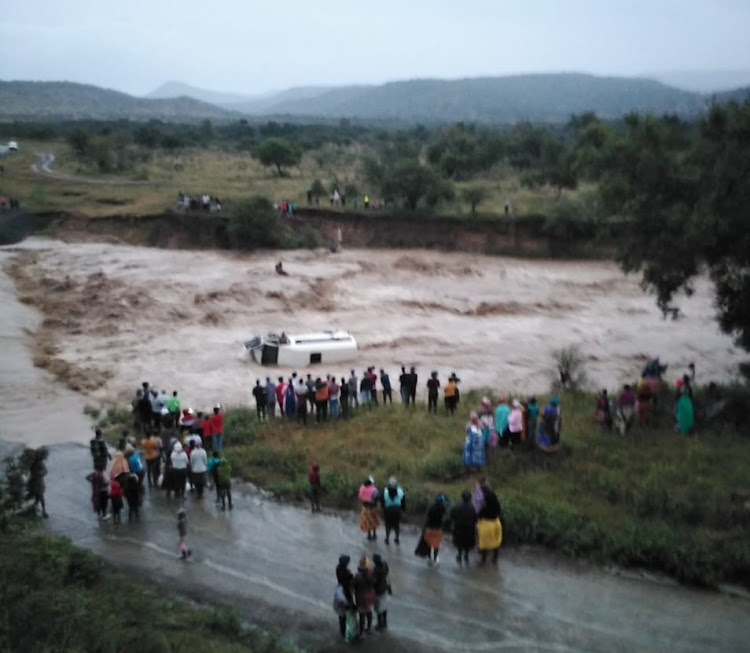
column 71, row 101
column 489, row 100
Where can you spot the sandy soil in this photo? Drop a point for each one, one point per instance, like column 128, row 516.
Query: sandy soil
column 114, row 316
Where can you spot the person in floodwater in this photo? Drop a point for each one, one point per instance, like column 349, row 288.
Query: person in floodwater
column 316, row 488
column 394, row 503
column 382, row 585
column 364, row 594
column 489, row 526
column 280, row 270
column 474, row 444
column 368, row 516
column 464, row 518
column 37, row 472
column 99, row 452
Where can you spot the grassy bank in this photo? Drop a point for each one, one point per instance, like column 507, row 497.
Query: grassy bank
column 654, row 499
column 56, row 597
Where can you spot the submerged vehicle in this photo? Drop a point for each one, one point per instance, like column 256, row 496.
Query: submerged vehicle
column 298, row 350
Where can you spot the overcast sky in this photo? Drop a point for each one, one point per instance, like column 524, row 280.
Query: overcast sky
column 253, row 46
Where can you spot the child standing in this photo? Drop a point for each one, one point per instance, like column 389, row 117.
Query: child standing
column 224, row 482
column 115, row 495
column 182, row 546
column 315, row 486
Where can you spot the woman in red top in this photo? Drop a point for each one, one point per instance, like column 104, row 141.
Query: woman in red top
column 217, row 429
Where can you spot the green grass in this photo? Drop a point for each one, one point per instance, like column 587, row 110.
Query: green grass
column 56, row 597
column 229, row 176
column 654, row 499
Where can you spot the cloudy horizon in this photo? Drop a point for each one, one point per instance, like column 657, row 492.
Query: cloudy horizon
column 254, row 48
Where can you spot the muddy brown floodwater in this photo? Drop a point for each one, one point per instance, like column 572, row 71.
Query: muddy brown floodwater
column 115, row 315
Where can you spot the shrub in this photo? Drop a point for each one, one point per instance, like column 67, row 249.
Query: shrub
column 571, row 374
column 253, row 224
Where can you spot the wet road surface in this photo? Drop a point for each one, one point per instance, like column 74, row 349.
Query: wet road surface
column 276, row 563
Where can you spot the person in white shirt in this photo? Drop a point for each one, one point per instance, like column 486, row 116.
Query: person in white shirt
column 179, row 460
column 198, row 465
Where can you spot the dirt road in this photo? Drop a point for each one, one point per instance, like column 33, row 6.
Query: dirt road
column 43, row 166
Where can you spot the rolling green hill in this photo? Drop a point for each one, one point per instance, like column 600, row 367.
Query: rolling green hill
column 545, row 98
column 20, row 100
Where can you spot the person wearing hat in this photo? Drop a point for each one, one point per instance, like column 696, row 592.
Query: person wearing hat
column 433, row 528
column 369, row 520
column 382, row 582
column 343, row 598
column 433, row 385
column 515, row 424
column 464, row 518
column 364, row 594
column 394, row 503
column 451, row 393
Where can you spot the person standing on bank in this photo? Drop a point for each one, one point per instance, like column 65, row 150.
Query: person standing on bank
column 261, row 400
column 394, row 503
column 433, row 385
column 368, row 517
column 464, row 519
column 433, row 529
column 489, row 527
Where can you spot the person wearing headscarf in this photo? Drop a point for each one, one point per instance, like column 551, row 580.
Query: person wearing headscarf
column 433, row 528
column 179, row 461
column 369, row 519
column 382, row 585
column 487, row 424
column 464, row 519
column 474, row 443
column 364, row 594
column 394, row 503
column 119, row 468
column 515, row 424
column 489, row 526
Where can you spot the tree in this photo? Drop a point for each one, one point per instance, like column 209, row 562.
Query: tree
column 79, row 139
column 410, row 181
column 685, row 193
column 555, row 166
column 473, row 195
column 278, row 152
column 254, row 223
